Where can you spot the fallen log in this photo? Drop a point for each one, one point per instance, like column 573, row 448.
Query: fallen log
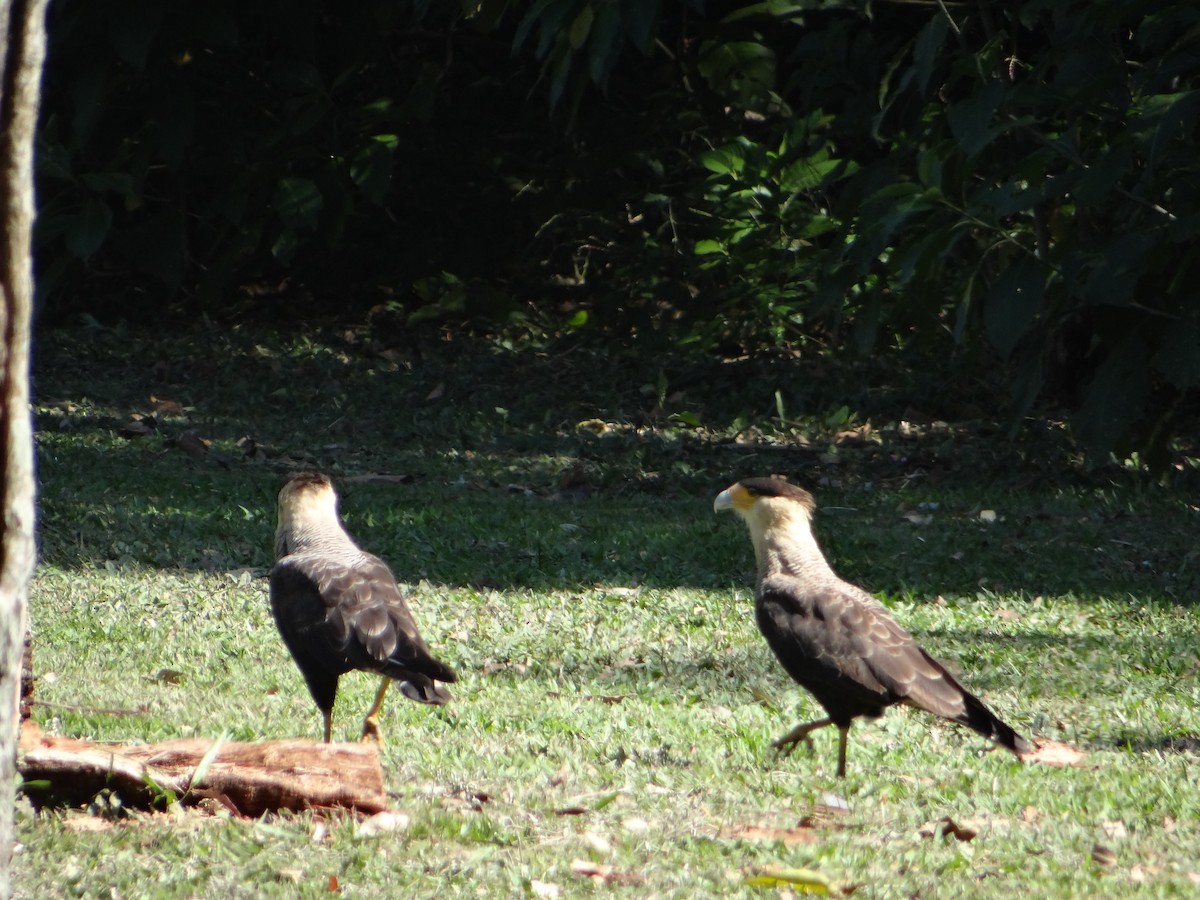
column 247, row 778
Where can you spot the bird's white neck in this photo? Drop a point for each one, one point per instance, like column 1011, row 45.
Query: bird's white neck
column 788, row 546
column 309, row 523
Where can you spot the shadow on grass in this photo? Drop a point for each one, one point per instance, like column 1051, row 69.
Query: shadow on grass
column 721, row 677
column 475, row 428
column 145, row 505
column 1167, row 744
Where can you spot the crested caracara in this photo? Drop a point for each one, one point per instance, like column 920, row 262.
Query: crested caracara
column 833, row 638
column 339, row 608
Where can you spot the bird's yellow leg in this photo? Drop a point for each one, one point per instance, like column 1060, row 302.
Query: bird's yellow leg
column 371, row 730
column 843, row 733
column 788, row 742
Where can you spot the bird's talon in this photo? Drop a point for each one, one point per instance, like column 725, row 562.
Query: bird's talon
column 787, row 746
column 371, row 732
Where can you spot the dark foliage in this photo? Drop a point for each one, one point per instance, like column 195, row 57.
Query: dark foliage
column 1007, row 194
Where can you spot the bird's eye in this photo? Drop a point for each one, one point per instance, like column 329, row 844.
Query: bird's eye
column 752, row 492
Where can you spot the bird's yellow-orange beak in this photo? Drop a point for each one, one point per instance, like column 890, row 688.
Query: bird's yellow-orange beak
column 734, row 497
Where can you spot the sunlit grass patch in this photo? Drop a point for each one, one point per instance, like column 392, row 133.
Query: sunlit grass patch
column 613, row 721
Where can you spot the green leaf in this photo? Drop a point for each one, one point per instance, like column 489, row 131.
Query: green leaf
column 1102, row 178
column 530, row 19
column 690, row 419
column 118, row 182
column 929, row 168
column 926, row 47
column 1115, row 400
column 553, row 27
column 971, row 119
column 133, row 33
column 157, row 246
column 962, row 314
column 900, row 190
column 722, row 162
column 560, row 69
column 210, row 756
column 605, row 45
column 371, row 170
column 308, row 113
column 485, row 15
column 581, row 25
column 640, row 17
column 172, row 123
column 297, row 201
column 86, row 233
column 1013, row 302
column 708, row 246
column 1170, row 115
column 806, row 174
column 212, row 24
column 804, row 880
column 296, row 76
column 741, row 70
column 1178, row 357
column 605, row 800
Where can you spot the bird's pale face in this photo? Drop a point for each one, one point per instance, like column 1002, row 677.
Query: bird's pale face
column 735, row 497
column 754, row 496
column 302, row 499
column 767, row 504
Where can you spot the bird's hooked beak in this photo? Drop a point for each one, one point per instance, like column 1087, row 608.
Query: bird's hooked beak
column 736, row 498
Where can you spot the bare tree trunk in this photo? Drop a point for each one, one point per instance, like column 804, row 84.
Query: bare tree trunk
column 22, row 49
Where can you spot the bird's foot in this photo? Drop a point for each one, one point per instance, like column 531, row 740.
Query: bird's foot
column 371, row 732
column 787, row 744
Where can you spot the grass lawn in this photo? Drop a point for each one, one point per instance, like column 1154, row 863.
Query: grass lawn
column 612, row 723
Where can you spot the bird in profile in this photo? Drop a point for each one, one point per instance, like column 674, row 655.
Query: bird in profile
column 338, row 608
column 834, row 638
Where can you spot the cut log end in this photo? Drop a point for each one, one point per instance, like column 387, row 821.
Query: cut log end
column 249, row 778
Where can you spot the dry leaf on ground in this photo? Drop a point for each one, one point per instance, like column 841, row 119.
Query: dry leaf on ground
column 382, row 823
column 602, row 873
column 1114, row 831
column 193, row 445
column 947, row 827
column 87, row 823
column 138, row 427
column 1054, row 753
column 164, row 407
column 789, row 836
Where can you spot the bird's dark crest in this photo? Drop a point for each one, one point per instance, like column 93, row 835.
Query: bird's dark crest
column 777, row 486
column 307, row 477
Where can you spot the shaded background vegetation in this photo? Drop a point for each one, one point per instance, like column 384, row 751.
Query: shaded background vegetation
column 991, row 204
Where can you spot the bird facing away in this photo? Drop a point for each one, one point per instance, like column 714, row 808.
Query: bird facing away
column 833, row 638
column 338, row 608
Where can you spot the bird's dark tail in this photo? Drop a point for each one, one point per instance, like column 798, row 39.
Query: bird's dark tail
column 945, row 697
column 421, row 689
column 417, row 679
column 981, row 719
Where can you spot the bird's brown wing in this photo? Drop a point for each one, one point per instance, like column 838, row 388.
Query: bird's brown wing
column 367, row 618
column 842, row 645
column 846, row 648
